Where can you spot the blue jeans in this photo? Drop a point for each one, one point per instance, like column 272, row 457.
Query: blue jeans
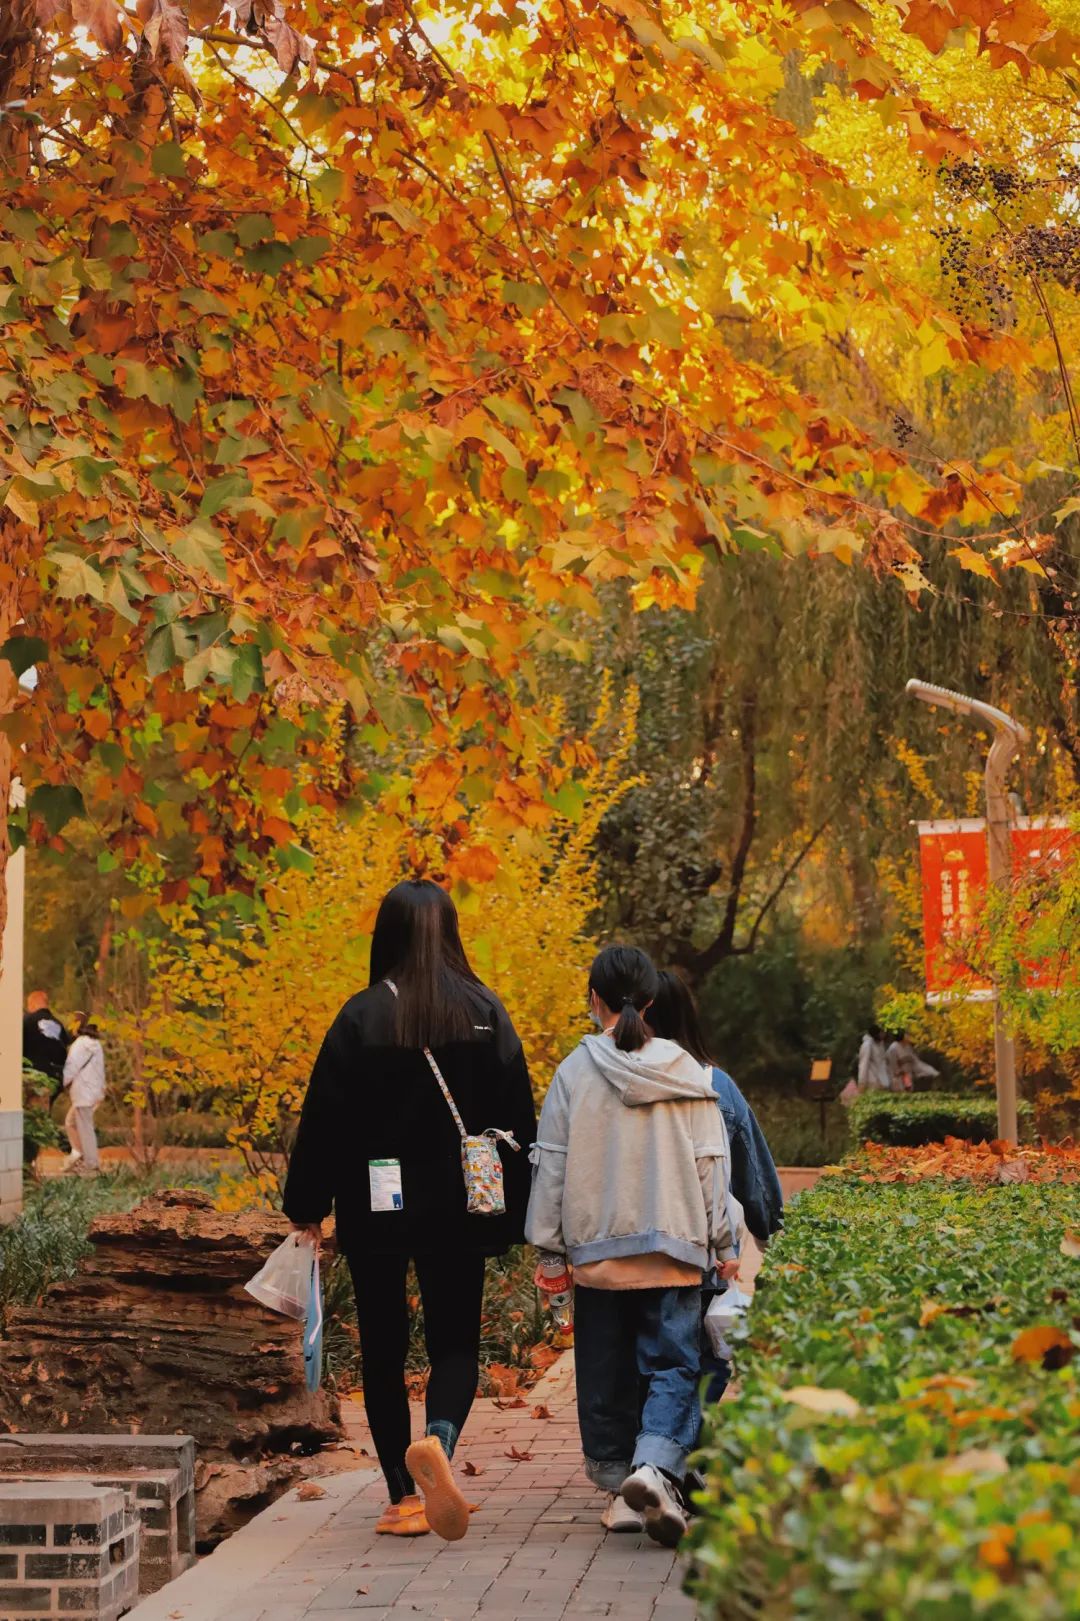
column 637, row 1356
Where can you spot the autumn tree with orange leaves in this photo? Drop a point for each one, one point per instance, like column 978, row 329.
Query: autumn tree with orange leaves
column 348, row 349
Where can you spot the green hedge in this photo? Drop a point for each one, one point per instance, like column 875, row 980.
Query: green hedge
column 909, row 1119
column 890, row 1452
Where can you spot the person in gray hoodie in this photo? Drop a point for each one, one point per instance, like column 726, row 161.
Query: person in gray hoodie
column 630, row 1187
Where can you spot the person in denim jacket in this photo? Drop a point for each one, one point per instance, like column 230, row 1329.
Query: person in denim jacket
column 754, row 1181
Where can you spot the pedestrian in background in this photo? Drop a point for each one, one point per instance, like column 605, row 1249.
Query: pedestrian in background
column 45, row 1041
column 873, row 1067
column 84, row 1082
column 905, row 1065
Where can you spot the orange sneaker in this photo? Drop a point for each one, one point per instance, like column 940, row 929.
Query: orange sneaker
column 404, row 1519
column 445, row 1506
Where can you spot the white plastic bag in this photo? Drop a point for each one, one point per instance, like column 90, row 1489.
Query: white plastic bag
column 284, row 1283
column 724, row 1312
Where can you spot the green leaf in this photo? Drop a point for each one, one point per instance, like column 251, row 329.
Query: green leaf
column 75, row 577
column 56, row 804
column 215, row 664
column 168, row 159
column 309, row 249
column 22, row 652
column 247, row 672
column 254, row 228
column 220, row 491
column 294, row 858
column 527, row 296
column 199, row 548
column 117, row 598
column 268, row 257
column 220, row 243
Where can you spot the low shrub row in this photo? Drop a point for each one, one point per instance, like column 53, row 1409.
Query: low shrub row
column 911, row 1118
column 906, row 1439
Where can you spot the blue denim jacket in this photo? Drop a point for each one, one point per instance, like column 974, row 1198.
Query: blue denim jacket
column 754, row 1181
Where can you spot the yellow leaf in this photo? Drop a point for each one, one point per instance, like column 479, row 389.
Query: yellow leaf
column 21, row 506
column 973, row 561
column 930, row 1310
column 816, row 1400
column 1070, row 1245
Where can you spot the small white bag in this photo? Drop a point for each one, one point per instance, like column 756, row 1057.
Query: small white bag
column 284, row 1283
column 723, row 1313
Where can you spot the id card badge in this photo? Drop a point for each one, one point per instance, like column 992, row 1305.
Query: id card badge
column 384, row 1177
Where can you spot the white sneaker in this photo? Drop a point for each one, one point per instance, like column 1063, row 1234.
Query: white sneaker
column 619, row 1516
column 652, row 1495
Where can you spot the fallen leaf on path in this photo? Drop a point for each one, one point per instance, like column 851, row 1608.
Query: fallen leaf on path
column 505, row 1381
column 542, row 1356
column 519, row 1457
column 541, row 1411
column 470, row 1468
column 309, row 1491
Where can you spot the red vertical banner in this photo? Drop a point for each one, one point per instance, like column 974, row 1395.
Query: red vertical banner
column 954, row 870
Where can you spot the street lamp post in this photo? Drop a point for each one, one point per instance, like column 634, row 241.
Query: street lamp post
column 1008, row 737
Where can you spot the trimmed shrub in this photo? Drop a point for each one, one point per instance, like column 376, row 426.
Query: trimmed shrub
column 909, row 1119
column 906, row 1438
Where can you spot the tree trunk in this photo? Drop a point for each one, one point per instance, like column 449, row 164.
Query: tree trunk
column 9, row 690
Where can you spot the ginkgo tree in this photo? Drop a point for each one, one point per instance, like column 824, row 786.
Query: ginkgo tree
column 347, row 349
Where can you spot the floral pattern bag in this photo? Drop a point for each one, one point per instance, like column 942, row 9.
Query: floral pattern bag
column 480, row 1162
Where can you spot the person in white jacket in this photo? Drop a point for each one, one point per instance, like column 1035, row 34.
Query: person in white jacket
column 84, row 1082
column 873, row 1070
column 630, row 1187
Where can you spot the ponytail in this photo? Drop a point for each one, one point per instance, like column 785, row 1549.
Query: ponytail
column 624, row 977
column 630, row 1032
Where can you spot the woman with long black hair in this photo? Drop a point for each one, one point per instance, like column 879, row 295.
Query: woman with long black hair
column 425, row 1054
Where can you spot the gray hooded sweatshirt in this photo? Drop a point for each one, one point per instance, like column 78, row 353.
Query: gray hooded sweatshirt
column 631, row 1158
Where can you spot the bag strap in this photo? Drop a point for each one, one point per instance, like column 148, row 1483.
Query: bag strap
column 438, row 1074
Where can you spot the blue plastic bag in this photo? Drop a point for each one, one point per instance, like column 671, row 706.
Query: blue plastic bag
column 313, row 1327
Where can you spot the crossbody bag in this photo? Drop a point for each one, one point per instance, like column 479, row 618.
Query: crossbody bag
column 480, row 1161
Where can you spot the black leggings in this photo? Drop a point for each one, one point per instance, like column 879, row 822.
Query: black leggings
column 452, row 1294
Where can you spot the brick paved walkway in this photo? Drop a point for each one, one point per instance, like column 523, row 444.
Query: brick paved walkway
column 535, row 1549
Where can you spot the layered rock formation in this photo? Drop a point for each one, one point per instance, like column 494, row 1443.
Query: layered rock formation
column 155, row 1334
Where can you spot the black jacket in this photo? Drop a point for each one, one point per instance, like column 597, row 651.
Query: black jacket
column 45, row 1043
column 369, row 1099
